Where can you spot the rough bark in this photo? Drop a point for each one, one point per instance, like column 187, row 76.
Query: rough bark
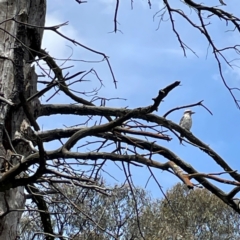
column 18, row 46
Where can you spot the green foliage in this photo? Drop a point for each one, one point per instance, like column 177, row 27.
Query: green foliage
column 185, row 214
column 191, row 214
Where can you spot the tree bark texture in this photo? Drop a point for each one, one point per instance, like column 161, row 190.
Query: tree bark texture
column 18, row 45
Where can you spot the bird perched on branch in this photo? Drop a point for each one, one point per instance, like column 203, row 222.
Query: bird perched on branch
column 186, row 120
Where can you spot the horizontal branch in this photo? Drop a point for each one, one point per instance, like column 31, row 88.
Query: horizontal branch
column 7, row 178
column 152, row 147
column 50, row 135
column 83, row 110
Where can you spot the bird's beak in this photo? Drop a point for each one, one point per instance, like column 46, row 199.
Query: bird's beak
column 192, row 112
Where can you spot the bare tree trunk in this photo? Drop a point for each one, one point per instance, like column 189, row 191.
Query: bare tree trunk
column 18, row 46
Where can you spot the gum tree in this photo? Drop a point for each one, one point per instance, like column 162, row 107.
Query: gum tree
column 123, row 135
column 191, row 214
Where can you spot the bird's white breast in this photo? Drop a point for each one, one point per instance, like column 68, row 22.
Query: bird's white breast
column 186, row 122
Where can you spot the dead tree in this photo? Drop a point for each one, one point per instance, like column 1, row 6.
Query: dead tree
column 19, row 44
column 131, row 137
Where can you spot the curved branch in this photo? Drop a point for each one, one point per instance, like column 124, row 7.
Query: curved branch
column 200, row 9
column 106, row 111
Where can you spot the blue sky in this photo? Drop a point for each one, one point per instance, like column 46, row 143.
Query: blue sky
column 144, row 60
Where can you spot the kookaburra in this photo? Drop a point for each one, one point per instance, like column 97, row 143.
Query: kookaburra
column 186, row 120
